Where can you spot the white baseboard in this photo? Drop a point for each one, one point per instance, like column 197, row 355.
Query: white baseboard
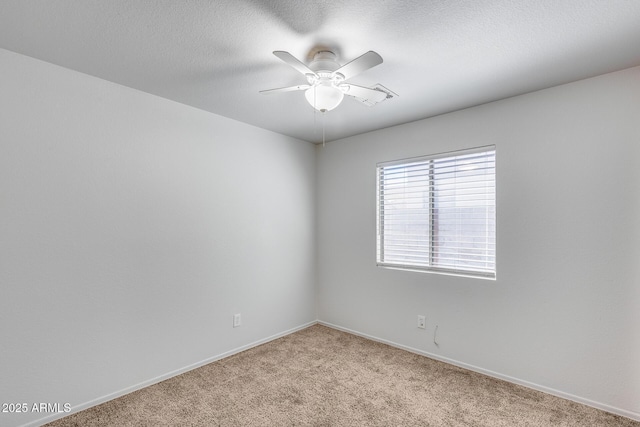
column 629, row 414
column 163, row 377
column 612, row 409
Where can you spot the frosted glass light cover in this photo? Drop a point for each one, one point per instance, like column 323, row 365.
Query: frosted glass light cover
column 324, row 98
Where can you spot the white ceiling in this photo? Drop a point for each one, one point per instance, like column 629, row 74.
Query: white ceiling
column 439, row 55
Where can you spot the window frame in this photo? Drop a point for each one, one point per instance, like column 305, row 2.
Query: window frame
column 429, row 267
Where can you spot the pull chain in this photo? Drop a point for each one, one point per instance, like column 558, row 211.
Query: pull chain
column 323, row 129
column 315, row 112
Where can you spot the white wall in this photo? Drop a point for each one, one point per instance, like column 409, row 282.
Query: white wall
column 564, row 312
column 132, row 228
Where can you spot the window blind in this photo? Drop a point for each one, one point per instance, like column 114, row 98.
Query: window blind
column 438, row 213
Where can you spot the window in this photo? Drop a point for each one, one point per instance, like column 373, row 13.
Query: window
column 438, row 213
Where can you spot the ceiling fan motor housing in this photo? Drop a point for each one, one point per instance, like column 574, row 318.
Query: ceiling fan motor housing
column 324, row 61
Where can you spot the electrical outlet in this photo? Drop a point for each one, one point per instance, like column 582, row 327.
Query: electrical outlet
column 422, row 321
column 237, row 320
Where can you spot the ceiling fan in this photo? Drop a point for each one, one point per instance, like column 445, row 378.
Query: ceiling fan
column 327, row 79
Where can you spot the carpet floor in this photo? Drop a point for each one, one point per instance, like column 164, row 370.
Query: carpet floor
column 323, row 377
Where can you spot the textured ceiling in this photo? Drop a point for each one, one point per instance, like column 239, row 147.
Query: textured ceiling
column 439, row 55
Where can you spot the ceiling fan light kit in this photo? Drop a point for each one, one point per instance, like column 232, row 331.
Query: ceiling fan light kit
column 326, row 79
column 324, row 98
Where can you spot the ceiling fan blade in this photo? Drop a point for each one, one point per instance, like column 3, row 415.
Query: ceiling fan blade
column 363, row 92
column 285, row 89
column 295, row 63
column 360, row 64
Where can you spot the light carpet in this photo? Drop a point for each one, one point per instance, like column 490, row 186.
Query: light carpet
column 323, row 377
